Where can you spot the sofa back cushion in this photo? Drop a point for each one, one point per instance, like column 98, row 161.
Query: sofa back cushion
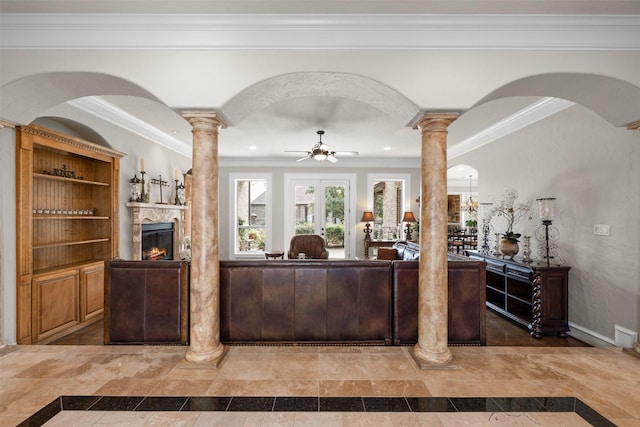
column 407, row 251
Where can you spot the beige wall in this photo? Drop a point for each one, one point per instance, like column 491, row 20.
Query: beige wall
column 593, row 169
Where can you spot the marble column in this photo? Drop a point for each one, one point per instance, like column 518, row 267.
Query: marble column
column 432, row 348
column 204, row 340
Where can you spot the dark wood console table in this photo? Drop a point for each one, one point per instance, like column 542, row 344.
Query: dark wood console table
column 376, row 244
column 535, row 296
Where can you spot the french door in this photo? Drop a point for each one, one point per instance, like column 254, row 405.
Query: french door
column 322, row 207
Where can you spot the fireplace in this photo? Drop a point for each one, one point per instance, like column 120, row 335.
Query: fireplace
column 150, row 215
column 157, row 241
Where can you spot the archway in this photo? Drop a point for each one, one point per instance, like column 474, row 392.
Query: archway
column 29, row 97
column 319, row 84
column 613, row 99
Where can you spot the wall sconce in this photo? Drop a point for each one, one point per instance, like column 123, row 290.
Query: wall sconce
column 367, row 216
column 545, row 208
column 408, row 218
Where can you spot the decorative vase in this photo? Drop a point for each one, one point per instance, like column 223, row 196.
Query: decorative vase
column 509, row 249
column 496, row 245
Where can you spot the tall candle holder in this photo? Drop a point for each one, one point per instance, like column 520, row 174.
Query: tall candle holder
column 144, row 195
column 485, row 215
column 545, row 207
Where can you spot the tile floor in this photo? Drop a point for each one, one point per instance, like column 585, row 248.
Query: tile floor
column 600, row 386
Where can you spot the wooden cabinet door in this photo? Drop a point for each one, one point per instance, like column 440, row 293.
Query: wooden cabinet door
column 91, row 292
column 55, row 303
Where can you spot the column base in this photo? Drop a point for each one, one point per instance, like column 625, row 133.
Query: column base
column 212, row 358
column 429, row 360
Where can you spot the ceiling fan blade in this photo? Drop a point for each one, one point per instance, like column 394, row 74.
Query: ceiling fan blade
column 346, row 153
column 332, row 158
column 304, row 158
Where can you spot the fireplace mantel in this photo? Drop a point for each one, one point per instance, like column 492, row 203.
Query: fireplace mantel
column 151, row 213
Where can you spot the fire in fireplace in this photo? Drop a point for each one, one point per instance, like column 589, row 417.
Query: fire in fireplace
column 157, row 241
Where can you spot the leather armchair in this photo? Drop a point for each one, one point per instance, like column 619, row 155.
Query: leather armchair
column 312, row 245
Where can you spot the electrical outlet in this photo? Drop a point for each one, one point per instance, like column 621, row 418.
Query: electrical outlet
column 601, row 229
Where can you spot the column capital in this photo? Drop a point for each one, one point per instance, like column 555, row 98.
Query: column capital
column 435, row 122
column 204, row 119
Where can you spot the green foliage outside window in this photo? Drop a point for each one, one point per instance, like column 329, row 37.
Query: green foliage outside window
column 335, row 235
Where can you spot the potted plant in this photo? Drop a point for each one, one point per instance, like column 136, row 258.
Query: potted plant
column 513, row 213
column 471, row 224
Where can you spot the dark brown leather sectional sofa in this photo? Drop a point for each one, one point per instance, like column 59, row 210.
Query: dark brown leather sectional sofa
column 292, row 301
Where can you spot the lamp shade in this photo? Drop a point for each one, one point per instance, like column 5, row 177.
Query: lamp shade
column 408, row 217
column 545, row 207
column 367, row 216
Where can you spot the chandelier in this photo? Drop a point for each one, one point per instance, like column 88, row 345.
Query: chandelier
column 470, row 205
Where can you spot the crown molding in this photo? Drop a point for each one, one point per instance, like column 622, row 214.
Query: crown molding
column 537, row 111
column 319, row 31
column 108, row 112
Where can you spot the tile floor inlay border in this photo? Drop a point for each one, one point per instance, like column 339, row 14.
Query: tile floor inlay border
column 316, row 404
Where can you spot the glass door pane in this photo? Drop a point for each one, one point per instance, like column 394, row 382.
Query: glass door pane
column 334, row 218
column 305, row 201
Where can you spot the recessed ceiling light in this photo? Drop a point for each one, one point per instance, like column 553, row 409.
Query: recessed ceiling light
column 387, row 148
column 175, row 132
column 252, row 147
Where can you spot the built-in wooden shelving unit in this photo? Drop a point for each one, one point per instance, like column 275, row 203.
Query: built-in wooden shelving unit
column 67, row 223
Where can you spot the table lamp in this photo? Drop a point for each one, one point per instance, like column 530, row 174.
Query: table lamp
column 367, row 216
column 408, row 218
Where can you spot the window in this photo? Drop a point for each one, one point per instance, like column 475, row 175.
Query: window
column 251, row 214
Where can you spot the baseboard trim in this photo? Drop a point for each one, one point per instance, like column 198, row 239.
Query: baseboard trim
column 590, row 337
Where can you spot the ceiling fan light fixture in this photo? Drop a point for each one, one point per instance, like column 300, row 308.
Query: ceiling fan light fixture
column 320, row 154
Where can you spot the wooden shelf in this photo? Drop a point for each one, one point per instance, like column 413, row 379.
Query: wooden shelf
column 70, row 243
column 65, row 179
column 59, row 217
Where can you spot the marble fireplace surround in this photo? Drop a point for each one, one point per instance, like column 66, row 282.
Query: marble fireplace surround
column 153, row 213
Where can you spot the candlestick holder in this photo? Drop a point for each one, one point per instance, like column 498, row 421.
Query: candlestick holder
column 485, row 214
column 144, row 194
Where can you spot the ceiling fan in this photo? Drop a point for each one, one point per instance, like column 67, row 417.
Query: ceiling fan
column 321, row 152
